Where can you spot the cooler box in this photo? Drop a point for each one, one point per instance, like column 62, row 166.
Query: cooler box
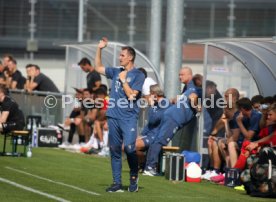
column 48, row 137
column 193, row 172
column 232, row 177
column 190, row 157
column 174, row 167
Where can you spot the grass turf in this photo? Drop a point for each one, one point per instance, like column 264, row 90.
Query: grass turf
column 93, row 173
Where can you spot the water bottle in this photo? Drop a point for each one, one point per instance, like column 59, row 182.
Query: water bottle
column 29, row 126
column 29, row 152
column 19, row 140
column 34, row 139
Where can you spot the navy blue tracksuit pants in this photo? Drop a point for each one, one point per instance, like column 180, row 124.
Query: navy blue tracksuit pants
column 122, row 132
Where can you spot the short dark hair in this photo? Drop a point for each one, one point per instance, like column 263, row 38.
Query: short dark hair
column 131, row 51
column 101, row 91
column 84, row 61
column 13, row 61
column 32, row 65
column 3, row 89
column 143, row 71
column 257, row 99
column 104, row 87
column 210, row 84
column 8, row 56
column 267, row 100
column 86, row 89
column 37, row 67
column 197, row 77
column 244, row 103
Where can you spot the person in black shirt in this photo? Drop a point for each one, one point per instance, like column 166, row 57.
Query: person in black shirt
column 2, row 76
column 14, row 78
column 213, row 94
column 93, row 78
column 4, row 67
column 11, row 117
column 38, row 81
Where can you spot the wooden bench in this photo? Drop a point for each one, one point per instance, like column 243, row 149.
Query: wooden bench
column 170, row 149
column 15, row 135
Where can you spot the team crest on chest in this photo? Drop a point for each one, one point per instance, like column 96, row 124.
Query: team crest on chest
column 128, row 79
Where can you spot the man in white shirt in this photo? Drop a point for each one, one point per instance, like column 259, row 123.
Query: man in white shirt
column 147, row 83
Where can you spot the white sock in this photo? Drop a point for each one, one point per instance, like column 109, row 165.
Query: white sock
column 105, row 137
column 95, row 144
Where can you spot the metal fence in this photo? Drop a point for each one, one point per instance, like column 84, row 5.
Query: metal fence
column 48, row 105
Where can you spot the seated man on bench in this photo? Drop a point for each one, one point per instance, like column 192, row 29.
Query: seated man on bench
column 11, row 117
column 175, row 117
column 158, row 104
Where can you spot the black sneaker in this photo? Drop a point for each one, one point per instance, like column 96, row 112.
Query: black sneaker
column 92, row 151
column 133, row 187
column 115, row 188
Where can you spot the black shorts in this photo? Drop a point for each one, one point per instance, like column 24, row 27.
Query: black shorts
column 10, row 126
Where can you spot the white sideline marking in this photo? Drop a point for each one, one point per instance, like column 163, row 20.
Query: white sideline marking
column 33, row 190
column 56, row 182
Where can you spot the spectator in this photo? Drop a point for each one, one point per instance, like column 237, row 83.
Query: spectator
column 100, row 119
column 212, row 92
column 11, row 117
column 251, row 129
column 247, row 121
column 93, row 78
column 2, row 76
column 97, row 140
column 148, row 82
column 88, row 116
column 231, row 95
column 208, row 123
column 264, row 105
column 13, row 77
column 245, row 117
column 126, row 85
column 6, row 59
column 4, row 67
column 243, row 125
column 212, row 111
column 73, row 119
column 267, row 100
column 82, row 117
column 175, row 117
column 267, row 137
column 158, row 105
column 220, row 149
column 212, row 114
column 268, row 134
column 38, row 81
column 228, row 147
column 102, row 101
column 256, row 102
column 197, row 79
